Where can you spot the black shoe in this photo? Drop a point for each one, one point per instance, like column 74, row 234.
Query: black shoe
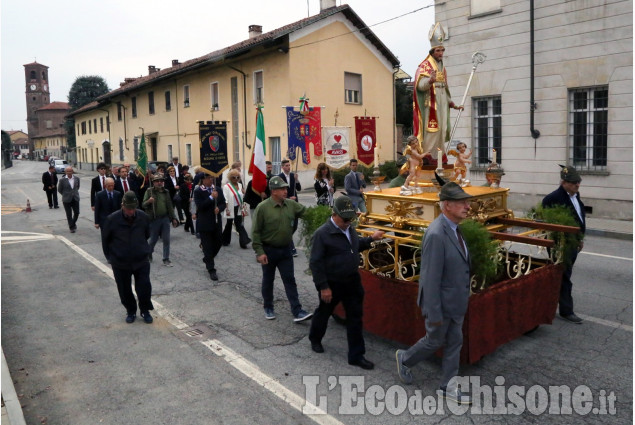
column 56, row 207
column 363, row 363
column 225, row 244
column 146, row 316
column 50, row 207
column 213, row 275
column 572, row 318
column 317, row 347
column 193, row 233
column 130, row 318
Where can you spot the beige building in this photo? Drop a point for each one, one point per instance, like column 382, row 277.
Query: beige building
column 20, row 141
column 332, row 58
column 556, row 88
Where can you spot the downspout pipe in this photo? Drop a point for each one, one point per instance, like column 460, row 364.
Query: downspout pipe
column 532, row 101
column 247, row 145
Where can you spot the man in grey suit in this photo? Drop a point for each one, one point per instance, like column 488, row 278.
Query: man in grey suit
column 444, row 290
column 68, row 187
column 354, row 186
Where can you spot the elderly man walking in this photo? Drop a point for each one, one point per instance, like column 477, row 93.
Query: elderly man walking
column 68, row 187
column 444, row 290
column 124, row 240
column 158, row 205
column 272, row 233
column 334, row 265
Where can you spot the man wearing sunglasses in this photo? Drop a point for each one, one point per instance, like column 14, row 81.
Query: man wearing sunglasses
column 334, row 265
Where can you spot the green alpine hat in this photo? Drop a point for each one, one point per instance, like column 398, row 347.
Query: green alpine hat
column 343, row 207
column 130, row 200
column 453, row 192
column 569, row 174
column 276, row 182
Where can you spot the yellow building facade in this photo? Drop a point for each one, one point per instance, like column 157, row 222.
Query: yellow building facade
column 331, row 58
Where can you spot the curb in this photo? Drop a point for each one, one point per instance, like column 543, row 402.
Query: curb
column 610, row 234
column 10, row 397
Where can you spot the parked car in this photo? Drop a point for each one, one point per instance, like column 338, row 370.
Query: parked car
column 45, row 158
column 153, row 165
column 60, row 165
column 52, row 160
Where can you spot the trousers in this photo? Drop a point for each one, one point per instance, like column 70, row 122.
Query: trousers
column 449, row 336
column 72, row 213
column 351, row 294
column 123, row 277
column 160, row 227
column 281, row 259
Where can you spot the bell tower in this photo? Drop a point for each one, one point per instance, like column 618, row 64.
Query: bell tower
column 37, row 95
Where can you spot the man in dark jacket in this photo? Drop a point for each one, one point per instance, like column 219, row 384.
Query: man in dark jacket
column 568, row 195
column 107, row 201
column 334, row 265
column 98, row 183
column 49, row 180
column 124, row 241
column 209, row 202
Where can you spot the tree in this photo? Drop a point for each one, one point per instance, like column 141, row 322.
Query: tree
column 403, row 98
column 84, row 90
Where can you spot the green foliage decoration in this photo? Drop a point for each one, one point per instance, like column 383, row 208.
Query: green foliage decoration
column 559, row 214
column 312, row 219
column 485, row 264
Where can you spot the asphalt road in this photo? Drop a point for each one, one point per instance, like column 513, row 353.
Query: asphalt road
column 210, row 357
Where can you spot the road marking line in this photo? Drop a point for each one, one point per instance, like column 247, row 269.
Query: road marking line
column 606, row 256
column 606, row 322
column 245, row 367
column 255, row 374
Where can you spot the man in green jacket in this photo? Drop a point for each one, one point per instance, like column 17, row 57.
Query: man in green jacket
column 158, row 205
column 271, row 234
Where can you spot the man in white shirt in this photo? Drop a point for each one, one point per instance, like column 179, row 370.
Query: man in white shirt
column 68, row 187
column 568, row 195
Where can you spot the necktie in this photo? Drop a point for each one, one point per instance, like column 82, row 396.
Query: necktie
column 460, row 238
column 103, row 182
column 125, row 185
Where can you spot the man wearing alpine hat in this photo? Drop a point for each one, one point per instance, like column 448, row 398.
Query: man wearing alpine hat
column 568, row 195
column 334, row 265
column 444, row 290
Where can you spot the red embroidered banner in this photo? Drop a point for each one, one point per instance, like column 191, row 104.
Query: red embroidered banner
column 365, row 135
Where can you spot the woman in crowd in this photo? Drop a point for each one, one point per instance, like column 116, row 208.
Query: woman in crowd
column 233, row 192
column 172, row 185
column 186, row 190
column 324, row 185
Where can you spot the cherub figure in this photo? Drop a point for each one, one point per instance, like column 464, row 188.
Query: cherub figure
column 415, row 154
column 462, row 159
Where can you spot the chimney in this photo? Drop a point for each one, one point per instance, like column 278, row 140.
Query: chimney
column 152, row 69
column 255, row 30
column 326, row 4
column 175, row 62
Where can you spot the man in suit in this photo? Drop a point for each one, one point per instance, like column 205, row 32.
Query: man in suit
column 49, row 180
column 97, row 184
column 444, row 290
column 68, row 187
column 568, row 195
column 107, row 201
column 354, row 186
column 123, row 184
column 292, row 192
column 209, row 202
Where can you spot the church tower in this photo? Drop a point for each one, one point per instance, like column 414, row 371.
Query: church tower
column 37, row 95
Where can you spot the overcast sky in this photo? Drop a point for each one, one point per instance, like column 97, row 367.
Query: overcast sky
column 120, row 38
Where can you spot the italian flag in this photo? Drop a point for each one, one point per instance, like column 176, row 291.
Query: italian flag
column 258, row 166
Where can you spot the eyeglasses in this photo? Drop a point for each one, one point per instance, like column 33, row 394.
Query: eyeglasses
column 234, row 177
column 347, row 220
